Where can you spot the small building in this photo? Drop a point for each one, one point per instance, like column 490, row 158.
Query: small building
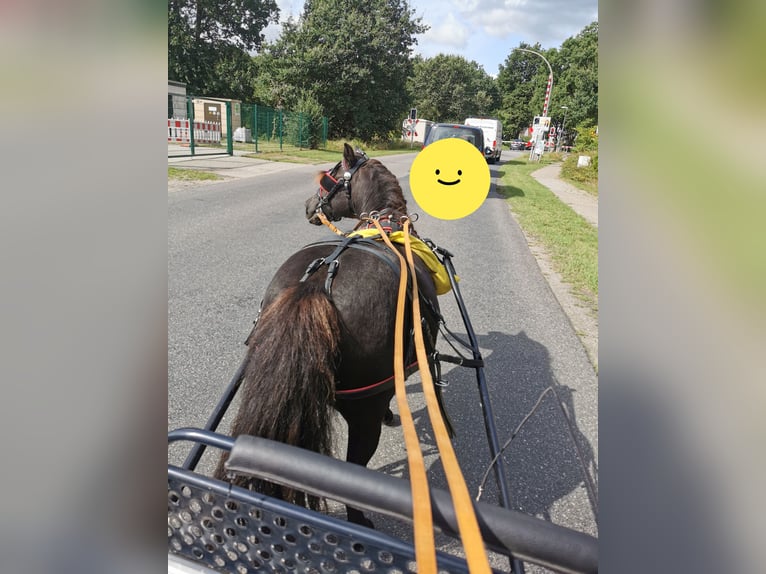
column 214, row 110
column 176, row 99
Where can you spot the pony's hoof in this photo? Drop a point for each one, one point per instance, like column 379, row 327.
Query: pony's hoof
column 389, row 419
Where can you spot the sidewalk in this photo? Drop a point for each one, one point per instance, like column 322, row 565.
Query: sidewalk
column 580, row 201
column 236, row 166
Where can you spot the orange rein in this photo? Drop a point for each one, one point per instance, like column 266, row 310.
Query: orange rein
column 425, row 549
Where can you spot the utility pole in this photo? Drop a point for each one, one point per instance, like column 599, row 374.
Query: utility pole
column 561, row 131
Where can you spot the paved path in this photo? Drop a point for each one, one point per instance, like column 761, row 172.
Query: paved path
column 580, row 201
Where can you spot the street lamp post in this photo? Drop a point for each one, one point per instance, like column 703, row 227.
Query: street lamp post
column 548, row 90
column 563, row 123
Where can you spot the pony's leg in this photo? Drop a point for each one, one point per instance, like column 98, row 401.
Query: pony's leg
column 364, row 418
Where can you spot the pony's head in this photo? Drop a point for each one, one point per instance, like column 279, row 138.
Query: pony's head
column 355, row 187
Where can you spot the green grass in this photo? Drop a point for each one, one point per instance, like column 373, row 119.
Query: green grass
column 191, row 174
column 568, row 238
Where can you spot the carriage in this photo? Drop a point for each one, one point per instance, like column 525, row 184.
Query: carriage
column 265, row 507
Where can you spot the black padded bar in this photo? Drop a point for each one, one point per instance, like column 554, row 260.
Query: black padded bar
column 505, row 531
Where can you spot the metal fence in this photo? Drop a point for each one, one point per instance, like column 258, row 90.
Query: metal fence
column 230, row 125
column 267, row 129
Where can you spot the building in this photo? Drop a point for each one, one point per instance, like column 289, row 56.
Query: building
column 214, row 110
column 176, row 99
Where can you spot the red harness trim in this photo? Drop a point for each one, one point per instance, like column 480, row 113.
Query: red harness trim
column 326, row 183
column 372, row 386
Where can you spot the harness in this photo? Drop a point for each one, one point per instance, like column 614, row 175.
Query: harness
column 425, row 548
column 332, row 262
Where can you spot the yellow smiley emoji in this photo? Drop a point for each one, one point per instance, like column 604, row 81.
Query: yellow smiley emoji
column 449, row 179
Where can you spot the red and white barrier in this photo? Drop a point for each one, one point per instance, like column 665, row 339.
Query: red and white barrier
column 204, row 132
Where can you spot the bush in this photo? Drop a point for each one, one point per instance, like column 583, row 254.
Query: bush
column 586, row 140
column 311, row 112
column 586, row 175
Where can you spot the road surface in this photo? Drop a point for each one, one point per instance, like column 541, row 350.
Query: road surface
column 225, row 241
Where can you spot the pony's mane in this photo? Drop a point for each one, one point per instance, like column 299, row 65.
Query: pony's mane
column 382, row 189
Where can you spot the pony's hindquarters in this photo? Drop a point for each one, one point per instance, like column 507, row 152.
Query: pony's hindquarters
column 287, row 392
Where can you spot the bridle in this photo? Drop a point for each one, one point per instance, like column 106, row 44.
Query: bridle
column 329, row 186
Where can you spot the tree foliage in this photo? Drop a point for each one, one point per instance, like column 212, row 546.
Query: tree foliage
column 353, row 58
column 576, row 66
column 523, row 77
column 209, row 40
column 353, row 62
column 522, row 80
column 449, row 88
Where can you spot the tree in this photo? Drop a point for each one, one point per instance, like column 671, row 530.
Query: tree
column 523, row 77
column 209, row 40
column 577, row 84
column 353, row 58
column 448, row 88
column 521, row 81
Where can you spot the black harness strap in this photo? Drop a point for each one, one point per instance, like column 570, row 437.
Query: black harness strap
column 331, row 261
column 372, row 247
column 330, row 185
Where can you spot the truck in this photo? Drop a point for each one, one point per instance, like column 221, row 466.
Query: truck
column 493, row 136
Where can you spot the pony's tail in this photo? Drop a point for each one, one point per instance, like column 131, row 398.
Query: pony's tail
column 288, row 386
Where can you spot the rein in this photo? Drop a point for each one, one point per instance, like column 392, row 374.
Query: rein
column 425, row 546
column 425, row 549
column 323, row 218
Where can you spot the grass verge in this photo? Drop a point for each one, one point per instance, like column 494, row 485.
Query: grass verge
column 571, row 241
column 191, row 174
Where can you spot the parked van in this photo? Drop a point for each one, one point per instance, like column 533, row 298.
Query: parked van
column 493, row 136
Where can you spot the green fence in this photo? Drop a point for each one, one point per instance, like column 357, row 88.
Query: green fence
column 274, row 130
column 216, row 126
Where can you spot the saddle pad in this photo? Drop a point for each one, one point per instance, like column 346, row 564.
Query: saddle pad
column 438, row 271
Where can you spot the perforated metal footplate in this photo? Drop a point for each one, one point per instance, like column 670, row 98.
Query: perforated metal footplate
column 253, row 533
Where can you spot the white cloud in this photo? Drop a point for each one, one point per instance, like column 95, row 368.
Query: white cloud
column 450, row 32
column 484, row 30
column 549, row 22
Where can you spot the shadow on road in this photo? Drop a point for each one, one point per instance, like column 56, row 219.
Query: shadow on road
column 541, row 463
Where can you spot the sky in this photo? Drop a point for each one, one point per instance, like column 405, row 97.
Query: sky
column 485, row 31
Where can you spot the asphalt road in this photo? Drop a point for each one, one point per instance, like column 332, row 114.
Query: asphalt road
column 225, row 240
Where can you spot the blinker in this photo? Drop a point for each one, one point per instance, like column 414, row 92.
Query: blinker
column 327, row 182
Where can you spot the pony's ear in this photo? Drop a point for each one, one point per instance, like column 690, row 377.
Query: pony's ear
column 349, row 157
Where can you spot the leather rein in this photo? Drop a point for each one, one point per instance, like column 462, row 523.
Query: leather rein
column 425, row 546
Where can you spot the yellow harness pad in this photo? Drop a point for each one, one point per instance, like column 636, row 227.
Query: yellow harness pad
column 438, row 271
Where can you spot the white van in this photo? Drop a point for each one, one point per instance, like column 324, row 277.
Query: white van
column 493, row 136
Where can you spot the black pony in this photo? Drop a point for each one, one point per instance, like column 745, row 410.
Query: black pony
column 325, row 336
